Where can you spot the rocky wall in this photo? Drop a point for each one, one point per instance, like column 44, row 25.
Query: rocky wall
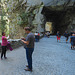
column 61, row 13
column 23, row 13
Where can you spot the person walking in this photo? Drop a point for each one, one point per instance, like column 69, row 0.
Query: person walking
column 58, row 36
column 72, row 41
column 29, row 42
column 66, row 34
column 4, row 45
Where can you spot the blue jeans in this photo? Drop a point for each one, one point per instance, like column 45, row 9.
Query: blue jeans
column 29, row 52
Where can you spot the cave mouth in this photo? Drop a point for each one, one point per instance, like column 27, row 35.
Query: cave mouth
column 56, row 17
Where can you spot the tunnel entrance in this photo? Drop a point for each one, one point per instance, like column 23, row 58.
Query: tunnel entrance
column 57, row 19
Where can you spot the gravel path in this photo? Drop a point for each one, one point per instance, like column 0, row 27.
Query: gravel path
column 49, row 58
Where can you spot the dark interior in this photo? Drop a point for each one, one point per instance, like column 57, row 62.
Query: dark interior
column 57, row 19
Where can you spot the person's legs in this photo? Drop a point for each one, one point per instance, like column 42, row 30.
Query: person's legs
column 30, row 58
column 29, row 52
column 48, row 36
column 66, row 39
column 2, row 52
column 37, row 38
column 57, row 38
column 5, row 53
column 71, row 45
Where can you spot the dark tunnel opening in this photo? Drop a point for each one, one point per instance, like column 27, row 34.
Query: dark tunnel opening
column 57, row 19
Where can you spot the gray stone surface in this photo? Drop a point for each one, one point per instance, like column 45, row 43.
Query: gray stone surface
column 56, row 2
column 49, row 58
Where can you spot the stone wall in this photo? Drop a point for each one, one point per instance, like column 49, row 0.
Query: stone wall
column 58, row 2
column 71, row 26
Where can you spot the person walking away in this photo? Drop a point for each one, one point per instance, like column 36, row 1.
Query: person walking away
column 29, row 47
column 72, row 41
column 4, row 45
column 58, row 36
column 66, row 34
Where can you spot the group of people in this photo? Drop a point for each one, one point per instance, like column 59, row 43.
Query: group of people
column 66, row 35
column 47, row 34
column 28, row 45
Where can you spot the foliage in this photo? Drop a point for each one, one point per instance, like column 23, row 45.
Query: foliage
column 24, row 19
column 3, row 23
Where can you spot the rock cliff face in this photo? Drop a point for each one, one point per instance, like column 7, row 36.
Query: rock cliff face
column 23, row 13
column 58, row 2
column 34, row 13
